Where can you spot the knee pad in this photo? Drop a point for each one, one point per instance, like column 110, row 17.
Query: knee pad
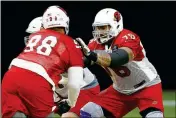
column 91, row 110
column 19, row 115
column 152, row 113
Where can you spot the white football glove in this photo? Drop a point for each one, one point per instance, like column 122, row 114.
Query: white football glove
column 85, row 48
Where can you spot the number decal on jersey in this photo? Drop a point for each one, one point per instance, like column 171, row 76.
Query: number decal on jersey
column 45, row 48
column 31, row 43
column 129, row 36
column 121, row 71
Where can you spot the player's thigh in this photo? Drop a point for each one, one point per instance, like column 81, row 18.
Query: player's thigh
column 37, row 94
column 84, row 97
column 40, row 102
column 114, row 102
column 11, row 102
column 151, row 97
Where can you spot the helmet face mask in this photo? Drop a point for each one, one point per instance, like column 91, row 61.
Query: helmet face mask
column 102, row 33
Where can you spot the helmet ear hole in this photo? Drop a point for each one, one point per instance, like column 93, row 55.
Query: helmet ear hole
column 117, row 26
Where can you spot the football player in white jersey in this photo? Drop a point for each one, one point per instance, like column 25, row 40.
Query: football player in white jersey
column 90, row 88
column 136, row 82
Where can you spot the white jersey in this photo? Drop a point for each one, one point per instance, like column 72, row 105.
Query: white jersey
column 134, row 75
column 140, row 74
column 89, row 78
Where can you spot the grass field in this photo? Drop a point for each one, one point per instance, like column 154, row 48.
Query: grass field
column 169, row 105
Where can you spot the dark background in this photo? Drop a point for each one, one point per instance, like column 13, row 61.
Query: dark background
column 154, row 22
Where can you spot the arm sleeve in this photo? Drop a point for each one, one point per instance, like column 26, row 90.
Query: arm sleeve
column 75, row 82
column 116, row 58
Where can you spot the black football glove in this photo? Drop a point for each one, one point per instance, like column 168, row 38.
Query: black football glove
column 63, row 107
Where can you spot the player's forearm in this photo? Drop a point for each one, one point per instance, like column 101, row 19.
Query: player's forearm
column 75, row 82
column 114, row 59
column 73, row 93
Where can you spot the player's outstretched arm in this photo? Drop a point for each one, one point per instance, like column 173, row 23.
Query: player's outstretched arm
column 118, row 57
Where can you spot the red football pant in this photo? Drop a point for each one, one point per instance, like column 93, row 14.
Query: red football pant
column 84, row 97
column 120, row 104
column 27, row 92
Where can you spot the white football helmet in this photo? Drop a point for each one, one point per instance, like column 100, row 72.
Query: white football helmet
column 105, row 17
column 55, row 16
column 34, row 26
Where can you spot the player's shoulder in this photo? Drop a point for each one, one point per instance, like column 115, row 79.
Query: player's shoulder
column 92, row 41
column 126, row 36
column 67, row 39
column 126, row 32
column 45, row 33
column 54, row 33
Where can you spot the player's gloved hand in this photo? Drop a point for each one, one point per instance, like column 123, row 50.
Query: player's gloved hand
column 84, row 47
column 89, row 54
column 63, row 106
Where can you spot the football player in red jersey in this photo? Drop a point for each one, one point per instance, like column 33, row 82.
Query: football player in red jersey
column 90, row 88
column 28, row 85
column 136, row 82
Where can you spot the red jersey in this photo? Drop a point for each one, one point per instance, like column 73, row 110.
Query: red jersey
column 51, row 52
